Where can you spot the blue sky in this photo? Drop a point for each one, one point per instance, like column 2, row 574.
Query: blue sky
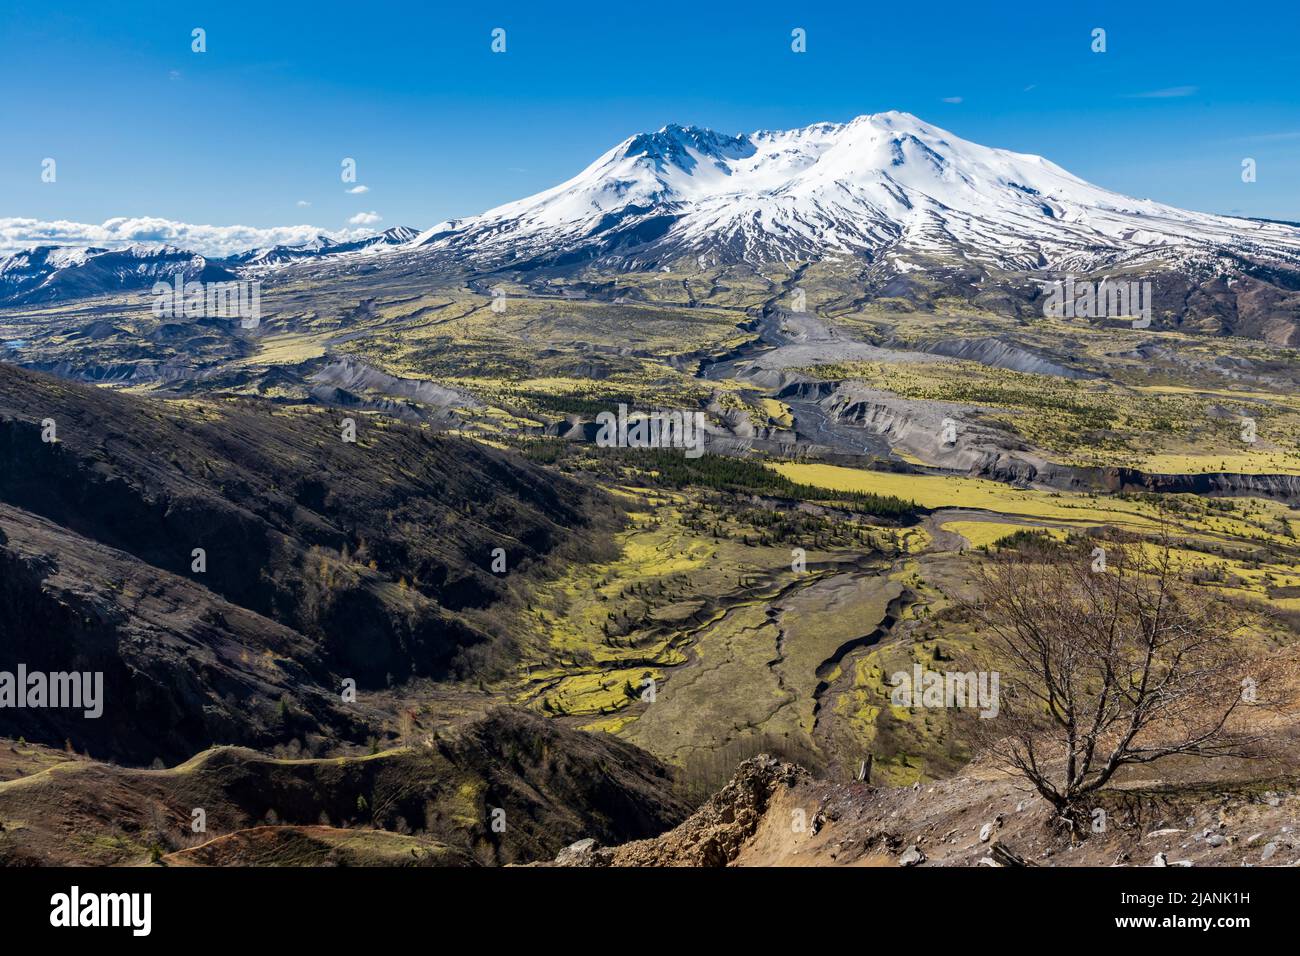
column 440, row 126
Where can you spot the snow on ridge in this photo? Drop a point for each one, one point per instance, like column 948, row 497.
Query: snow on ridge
column 876, row 180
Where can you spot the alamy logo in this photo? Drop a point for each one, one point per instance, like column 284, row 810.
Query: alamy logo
column 1069, row 299
column 935, row 689
column 239, row 299
column 658, row 429
column 73, row 909
column 58, row 689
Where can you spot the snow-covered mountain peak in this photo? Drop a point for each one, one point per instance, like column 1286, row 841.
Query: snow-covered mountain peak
column 324, row 247
column 883, row 180
column 399, row 234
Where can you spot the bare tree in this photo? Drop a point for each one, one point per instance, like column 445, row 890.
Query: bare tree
column 1110, row 665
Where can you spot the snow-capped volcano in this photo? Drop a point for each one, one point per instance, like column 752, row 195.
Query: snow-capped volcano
column 884, row 181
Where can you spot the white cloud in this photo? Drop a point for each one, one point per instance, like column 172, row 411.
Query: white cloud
column 303, row 204
column 212, row 241
column 357, row 190
column 365, row 219
column 952, row 99
column 1165, row 94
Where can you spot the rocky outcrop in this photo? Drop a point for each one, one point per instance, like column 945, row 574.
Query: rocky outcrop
column 947, row 434
column 712, row 836
column 773, row 814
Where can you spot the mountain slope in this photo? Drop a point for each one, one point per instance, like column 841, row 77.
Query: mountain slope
column 323, row 560
column 323, row 247
column 884, row 181
column 54, row 273
column 777, row 814
column 430, row 803
column 181, row 667
column 49, row 273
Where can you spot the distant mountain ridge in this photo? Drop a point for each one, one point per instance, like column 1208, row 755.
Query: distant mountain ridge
column 52, row 273
column 323, row 246
column 49, row 273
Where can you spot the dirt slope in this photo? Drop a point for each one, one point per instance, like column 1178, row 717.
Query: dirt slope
column 775, row 814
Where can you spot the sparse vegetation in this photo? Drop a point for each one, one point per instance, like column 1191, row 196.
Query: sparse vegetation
column 1106, row 669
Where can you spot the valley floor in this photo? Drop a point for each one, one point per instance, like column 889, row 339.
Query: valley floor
column 673, row 619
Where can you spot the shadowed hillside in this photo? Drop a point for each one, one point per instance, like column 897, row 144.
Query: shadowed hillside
column 551, row 785
column 325, row 560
